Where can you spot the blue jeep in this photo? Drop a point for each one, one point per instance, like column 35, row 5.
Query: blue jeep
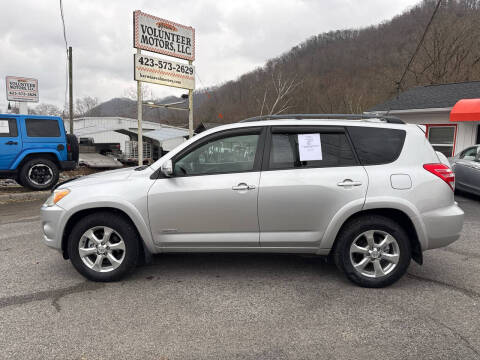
column 33, row 149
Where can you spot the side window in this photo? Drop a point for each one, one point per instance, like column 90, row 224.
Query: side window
column 42, row 128
column 469, row 154
column 8, row 128
column 302, row 149
column 375, row 146
column 225, row 155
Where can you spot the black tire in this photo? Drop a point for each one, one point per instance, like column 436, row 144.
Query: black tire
column 39, row 174
column 123, row 227
column 74, row 147
column 353, row 230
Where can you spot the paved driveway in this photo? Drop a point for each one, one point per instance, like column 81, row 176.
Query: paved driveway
column 234, row 306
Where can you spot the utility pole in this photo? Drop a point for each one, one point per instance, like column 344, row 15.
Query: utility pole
column 70, row 88
column 139, row 117
column 190, row 110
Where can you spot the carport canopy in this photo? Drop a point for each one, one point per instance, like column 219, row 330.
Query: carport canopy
column 466, row 110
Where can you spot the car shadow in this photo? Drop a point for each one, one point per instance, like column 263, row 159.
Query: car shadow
column 238, row 265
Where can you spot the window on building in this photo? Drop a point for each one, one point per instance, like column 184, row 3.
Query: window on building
column 442, row 138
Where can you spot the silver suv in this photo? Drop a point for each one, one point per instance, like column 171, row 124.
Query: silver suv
column 369, row 192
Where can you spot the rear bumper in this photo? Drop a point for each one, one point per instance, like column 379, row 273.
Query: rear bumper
column 68, row 165
column 443, row 226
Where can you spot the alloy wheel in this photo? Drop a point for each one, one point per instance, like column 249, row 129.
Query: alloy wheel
column 101, row 249
column 374, row 253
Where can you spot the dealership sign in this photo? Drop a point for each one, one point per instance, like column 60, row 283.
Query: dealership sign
column 164, row 72
column 162, row 36
column 22, row 89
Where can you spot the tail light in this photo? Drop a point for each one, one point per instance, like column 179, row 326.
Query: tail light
column 69, row 148
column 443, row 172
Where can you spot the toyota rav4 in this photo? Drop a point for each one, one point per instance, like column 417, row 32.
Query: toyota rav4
column 369, row 192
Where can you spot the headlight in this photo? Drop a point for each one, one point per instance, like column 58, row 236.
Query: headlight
column 56, row 196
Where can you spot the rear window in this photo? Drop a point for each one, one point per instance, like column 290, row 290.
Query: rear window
column 375, row 146
column 290, row 149
column 8, row 128
column 42, row 128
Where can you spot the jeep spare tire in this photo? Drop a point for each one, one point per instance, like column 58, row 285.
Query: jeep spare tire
column 74, row 152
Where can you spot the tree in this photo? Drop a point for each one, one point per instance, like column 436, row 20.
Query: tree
column 84, row 105
column 278, row 100
column 46, row 109
column 131, row 93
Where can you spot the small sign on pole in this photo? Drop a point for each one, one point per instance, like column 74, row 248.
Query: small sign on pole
column 22, row 89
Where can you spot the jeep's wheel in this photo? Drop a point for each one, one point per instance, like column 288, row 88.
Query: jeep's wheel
column 373, row 251
column 103, row 247
column 39, row 174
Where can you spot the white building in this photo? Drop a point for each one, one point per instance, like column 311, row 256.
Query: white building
column 432, row 106
column 119, row 130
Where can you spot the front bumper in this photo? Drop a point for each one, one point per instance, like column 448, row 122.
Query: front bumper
column 443, row 226
column 51, row 225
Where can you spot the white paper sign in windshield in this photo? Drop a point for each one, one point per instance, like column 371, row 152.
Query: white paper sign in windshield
column 309, row 147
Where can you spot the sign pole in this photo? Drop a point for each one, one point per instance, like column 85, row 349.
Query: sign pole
column 139, row 115
column 22, row 107
column 70, row 88
column 190, row 110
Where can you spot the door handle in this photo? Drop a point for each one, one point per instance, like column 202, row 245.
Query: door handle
column 11, row 142
column 243, row 186
column 348, row 182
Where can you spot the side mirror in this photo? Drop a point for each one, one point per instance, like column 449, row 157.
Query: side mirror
column 167, row 168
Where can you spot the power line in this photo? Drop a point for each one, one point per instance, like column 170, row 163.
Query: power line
column 399, row 83
column 220, row 115
column 63, row 23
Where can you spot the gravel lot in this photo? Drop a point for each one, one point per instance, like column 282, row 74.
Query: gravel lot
column 234, row 306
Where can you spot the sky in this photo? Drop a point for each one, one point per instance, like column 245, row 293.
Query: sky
column 232, row 38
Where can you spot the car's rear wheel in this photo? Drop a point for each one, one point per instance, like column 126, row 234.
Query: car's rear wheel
column 103, row 246
column 373, row 251
column 39, row 174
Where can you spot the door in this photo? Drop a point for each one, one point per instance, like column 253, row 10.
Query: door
column 467, row 170
column 211, row 200
column 310, row 173
column 10, row 142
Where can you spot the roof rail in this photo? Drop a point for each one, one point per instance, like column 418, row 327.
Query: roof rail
column 388, row 119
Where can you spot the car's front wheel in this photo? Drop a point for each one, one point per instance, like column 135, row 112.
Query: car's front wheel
column 373, row 251
column 103, row 246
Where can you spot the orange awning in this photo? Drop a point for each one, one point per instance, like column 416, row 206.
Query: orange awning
column 466, row 110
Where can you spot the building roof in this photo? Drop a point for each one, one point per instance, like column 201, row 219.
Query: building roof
column 165, row 133
column 93, row 125
column 431, row 96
